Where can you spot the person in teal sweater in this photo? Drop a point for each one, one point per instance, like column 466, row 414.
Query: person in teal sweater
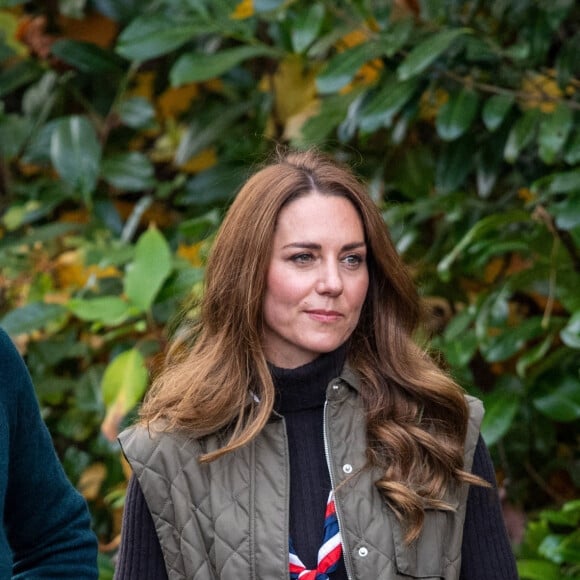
column 46, row 531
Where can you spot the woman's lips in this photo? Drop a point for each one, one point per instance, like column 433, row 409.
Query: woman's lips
column 324, row 315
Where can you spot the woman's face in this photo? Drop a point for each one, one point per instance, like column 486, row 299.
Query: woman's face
column 317, row 279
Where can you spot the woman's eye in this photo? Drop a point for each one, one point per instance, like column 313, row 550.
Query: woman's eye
column 301, row 258
column 353, row 260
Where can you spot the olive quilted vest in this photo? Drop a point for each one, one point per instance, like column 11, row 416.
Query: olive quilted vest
column 228, row 519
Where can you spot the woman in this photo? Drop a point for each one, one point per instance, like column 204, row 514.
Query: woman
column 304, row 413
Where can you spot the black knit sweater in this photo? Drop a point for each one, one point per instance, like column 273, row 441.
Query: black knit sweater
column 486, row 552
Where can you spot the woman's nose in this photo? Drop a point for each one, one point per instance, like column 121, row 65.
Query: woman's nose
column 330, row 280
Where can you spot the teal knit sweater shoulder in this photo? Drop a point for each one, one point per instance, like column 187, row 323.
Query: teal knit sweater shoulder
column 47, row 529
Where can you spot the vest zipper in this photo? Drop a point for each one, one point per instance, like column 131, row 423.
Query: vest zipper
column 345, row 553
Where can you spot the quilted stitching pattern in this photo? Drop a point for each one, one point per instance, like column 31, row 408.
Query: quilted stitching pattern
column 167, row 467
column 217, row 503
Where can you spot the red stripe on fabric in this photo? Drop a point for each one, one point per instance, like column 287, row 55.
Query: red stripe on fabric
column 330, row 559
column 330, row 509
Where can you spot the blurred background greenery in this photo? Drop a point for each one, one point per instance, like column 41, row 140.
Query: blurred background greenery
column 126, row 127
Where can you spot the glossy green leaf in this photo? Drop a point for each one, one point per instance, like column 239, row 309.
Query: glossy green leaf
column 553, row 133
column 136, row 112
column 534, row 354
column 108, row 310
column 332, row 113
column 511, row 340
column 129, row 171
column 550, row 548
column 428, row 51
column 149, row 270
column 199, row 228
column 14, row 131
column 456, row 115
column 33, row 316
column 19, row 75
column 196, row 67
column 557, row 183
column 267, row 5
column 572, row 150
column 566, row 212
column 381, row 109
column 454, row 164
column 459, row 352
column 149, row 36
column 521, row 135
column 413, row 176
column 489, row 162
column 569, row 548
column 124, row 383
column 76, row 154
column 120, row 10
column 394, row 37
column 342, row 68
column 568, row 515
column 126, row 377
column 212, row 186
column 565, row 182
column 306, row 27
column 86, row 56
column 501, row 407
column 204, row 131
column 495, row 111
column 567, row 290
column 538, row 570
column 480, row 229
column 570, row 335
column 562, row 401
column 567, row 60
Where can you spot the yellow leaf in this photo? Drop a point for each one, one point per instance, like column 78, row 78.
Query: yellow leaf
column 176, row 100
column 159, row 213
column 91, row 480
column 369, row 72
column 191, row 253
column 353, row 38
column 203, row 160
column 542, row 92
column 243, row 10
column 166, row 144
column 95, row 28
column 143, row 85
column 493, row 269
column 294, row 87
column 9, row 30
column 71, row 272
column 294, row 124
column 430, row 103
column 525, row 194
column 214, row 85
column 77, row 216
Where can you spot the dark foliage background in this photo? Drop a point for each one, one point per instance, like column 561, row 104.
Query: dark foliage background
column 126, row 127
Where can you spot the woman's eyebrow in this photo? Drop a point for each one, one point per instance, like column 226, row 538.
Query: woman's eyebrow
column 313, row 246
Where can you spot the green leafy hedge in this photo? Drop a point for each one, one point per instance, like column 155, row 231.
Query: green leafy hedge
column 127, row 126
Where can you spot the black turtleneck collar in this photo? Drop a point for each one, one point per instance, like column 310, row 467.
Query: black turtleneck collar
column 305, row 387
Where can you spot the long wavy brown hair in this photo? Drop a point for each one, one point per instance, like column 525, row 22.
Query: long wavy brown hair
column 416, row 415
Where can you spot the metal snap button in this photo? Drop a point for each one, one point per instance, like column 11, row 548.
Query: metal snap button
column 363, row 552
column 347, row 468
